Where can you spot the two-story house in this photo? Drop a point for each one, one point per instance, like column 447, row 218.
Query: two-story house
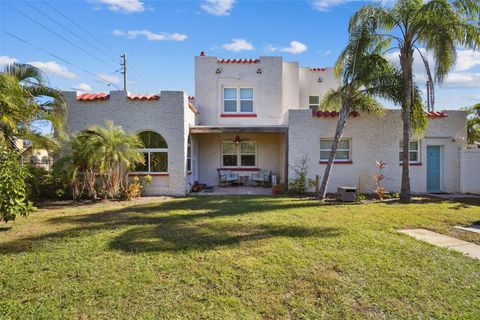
column 252, row 114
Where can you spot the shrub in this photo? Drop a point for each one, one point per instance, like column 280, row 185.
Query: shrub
column 134, row 188
column 13, row 190
column 301, row 184
column 43, row 184
column 380, row 191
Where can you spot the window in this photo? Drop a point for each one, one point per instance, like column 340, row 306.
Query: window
column 189, row 155
column 314, row 103
column 45, row 160
column 155, row 153
column 343, row 150
column 413, row 151
column 243, row 154
column 238, row 100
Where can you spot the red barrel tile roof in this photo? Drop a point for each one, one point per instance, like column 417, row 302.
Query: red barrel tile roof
column 93, row 96
column 318, row 69
column 239, row 61
column 326, row 114
column 436, row 114
column 143, row 96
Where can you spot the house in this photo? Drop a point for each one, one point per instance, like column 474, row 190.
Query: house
column 31, row 155
column 252, row 114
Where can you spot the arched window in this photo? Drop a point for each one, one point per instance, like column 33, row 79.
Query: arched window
column 155, row 152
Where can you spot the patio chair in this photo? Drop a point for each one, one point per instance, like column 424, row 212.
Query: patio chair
column 263, row 178
column 227, row 177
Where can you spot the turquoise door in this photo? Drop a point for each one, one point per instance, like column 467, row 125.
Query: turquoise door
column 433, row 169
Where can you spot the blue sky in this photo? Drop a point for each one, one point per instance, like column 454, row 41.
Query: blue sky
column 161, row 39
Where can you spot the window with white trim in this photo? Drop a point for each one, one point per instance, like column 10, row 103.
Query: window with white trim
column 344, row 152
column 413, row 151
column 238, row 100
column 155, row 153
column 239, row 155
column 314, row 103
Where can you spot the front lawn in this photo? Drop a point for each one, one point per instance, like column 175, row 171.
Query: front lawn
column 237, row 258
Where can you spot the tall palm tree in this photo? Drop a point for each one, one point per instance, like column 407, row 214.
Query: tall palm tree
column 365, row 73
column 437, row 25
column 44, row 104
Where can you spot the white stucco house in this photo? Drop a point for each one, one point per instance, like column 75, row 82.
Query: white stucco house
column 253, row 114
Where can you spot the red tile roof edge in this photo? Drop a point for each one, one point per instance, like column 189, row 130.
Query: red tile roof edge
column 433, row 114
column 193, row 108
column 318, row 69
column 93, row 96
column 191, row 97
column 239, row 61
column 143, row 96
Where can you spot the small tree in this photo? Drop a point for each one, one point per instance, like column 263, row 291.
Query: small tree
column 13, row 191
column 301, row 184
column 380, row 191
column 473, row 124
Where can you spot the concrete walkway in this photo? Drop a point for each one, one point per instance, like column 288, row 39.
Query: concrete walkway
column 470, row 249
column 472, row 228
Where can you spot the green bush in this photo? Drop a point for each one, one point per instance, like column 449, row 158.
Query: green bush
column 301, row 184
column 13, row 190
column 43, row 184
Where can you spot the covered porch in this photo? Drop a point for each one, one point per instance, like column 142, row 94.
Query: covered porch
column 242, row 153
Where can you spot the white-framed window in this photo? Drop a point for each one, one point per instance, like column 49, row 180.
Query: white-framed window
column 155, row 153
column 238, row 100
column 344, row 151
column 239, row 155
column 413, row 151
column 314, row 103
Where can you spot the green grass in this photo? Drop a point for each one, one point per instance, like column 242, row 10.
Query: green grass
column 237, row 258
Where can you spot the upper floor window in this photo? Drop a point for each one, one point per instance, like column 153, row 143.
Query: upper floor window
column 344, row 152
column 413, row 151
column 243, row 154
column 314, row 103
column 155, row 153
column 237, row 99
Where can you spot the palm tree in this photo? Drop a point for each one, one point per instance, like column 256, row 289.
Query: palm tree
column 473, row 124
column 365, row 73
column 39, row 102
column 116, row 153
column 438, row 25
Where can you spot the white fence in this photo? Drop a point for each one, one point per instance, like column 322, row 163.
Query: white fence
column 470, row 171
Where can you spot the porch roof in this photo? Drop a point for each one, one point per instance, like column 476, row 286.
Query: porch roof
column 245, row 129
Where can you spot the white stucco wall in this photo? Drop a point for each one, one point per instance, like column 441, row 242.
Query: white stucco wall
column 267, row 89
column 470, row 171
column 270, row 154
column 309, row 85
column 376, row 138
column 169, row 116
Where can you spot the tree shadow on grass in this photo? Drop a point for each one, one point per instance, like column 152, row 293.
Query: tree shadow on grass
column 172, row 225
column 456, row 203
column 206, row 236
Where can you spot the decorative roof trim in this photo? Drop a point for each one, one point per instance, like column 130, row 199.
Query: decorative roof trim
column 191, row 97
column 433, row 114
column 332, row 114
column 249, row 61
column 318, row 69
column 143, row 96
column 193, row 108
column 93, row 96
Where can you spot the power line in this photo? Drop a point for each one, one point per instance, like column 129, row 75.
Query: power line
column 59, row 58
column 93, row 36
column 68, row 30
column 58, row 35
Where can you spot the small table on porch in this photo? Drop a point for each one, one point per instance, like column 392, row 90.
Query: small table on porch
column 244, row 180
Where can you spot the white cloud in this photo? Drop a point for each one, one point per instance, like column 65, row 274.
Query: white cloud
column 467, row 59
column 151, row 36
column 294, row 48
column 463, row 79
column 238, row 45
column 82, row 87
column 6, row 60
column 325, row 5
column 218, row 7
column 325, row 53
column 54, row 69
column 125, row 6
column 108, row 78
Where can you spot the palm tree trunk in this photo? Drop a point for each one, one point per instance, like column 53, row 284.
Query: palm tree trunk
column 342, row 119
column 406, row 61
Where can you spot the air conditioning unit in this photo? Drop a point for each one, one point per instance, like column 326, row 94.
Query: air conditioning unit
column 347, row 194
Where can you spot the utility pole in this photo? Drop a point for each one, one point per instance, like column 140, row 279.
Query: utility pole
column 124, row 72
